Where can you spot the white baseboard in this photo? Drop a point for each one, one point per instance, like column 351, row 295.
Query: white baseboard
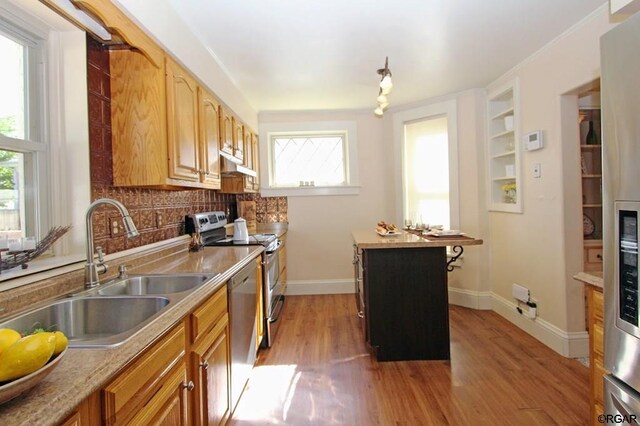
column 302, row 287
column 568, row 344
column 480, row 300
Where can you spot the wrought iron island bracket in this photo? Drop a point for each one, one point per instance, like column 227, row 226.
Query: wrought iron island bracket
column 457, row 252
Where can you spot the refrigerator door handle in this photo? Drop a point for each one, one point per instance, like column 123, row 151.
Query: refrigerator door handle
column 622, row 408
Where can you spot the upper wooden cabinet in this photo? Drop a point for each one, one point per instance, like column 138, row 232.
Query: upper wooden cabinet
column 182, row 123
column 138, row 120
column 238, row 139
column 210, row 135
column 256, row 161
column 226, row 132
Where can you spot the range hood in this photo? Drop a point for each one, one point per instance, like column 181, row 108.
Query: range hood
column 233, row 166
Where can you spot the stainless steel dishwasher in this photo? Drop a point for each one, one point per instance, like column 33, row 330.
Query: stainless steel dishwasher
column 242, row 314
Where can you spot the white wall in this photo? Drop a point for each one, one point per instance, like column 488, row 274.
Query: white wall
column 319, row 238
column 163, row 24
column 542, row 248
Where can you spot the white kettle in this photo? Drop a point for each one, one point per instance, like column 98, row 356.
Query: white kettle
column 240, row 232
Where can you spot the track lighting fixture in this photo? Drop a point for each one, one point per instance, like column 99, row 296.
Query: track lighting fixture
column 385, row 88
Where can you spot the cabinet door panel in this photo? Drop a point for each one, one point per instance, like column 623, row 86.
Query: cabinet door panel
column 209, row 140
column 238, row 139
column 169, row 405
column 182, row 123
column 226, row 132
column 213, row 374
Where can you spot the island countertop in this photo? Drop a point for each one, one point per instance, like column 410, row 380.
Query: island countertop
column 369, row 239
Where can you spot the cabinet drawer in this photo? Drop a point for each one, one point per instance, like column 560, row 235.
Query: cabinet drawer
column 594, row 255
column 205, row 317
column 598, row 304
column 141, row 379
column 598, row 340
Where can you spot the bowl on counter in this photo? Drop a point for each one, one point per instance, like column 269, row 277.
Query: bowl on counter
column 14, row 388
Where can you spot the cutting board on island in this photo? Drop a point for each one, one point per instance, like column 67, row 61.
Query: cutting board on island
column 247, row 211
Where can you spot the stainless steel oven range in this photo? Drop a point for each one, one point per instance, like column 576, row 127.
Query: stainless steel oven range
column 210, row 227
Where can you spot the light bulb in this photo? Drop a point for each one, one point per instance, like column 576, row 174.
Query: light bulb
column 378, row 111
column 382, row 99
column 386, row 85
column 383, row 105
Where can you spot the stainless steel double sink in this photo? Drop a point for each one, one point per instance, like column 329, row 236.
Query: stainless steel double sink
column 111, row 313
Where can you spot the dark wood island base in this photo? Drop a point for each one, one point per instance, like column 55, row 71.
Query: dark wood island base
column 402, row 295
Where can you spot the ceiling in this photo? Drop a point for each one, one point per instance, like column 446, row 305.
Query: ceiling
column 317, row 55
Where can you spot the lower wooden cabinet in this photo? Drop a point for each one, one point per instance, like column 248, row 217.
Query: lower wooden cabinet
column 169, row 405
column 210, row 363
column 181, row 379
column 595, row 302
column 146, row 385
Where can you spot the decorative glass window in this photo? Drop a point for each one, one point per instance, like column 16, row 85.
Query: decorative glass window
column 309, row 158
column 301, row 160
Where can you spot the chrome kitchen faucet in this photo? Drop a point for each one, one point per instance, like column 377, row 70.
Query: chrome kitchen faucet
column 91, row 268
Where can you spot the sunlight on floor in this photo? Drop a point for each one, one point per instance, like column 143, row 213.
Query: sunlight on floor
column 270, row 390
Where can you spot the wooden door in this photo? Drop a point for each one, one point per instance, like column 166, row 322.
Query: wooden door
column 182, row 123
column 238, row 139
column 226, row 132
column 209, row 124
column 212, row 363
column 256, row 161
column 169, row 405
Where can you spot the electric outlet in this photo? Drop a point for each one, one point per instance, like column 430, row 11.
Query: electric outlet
column 159, row 219
column 114, row 224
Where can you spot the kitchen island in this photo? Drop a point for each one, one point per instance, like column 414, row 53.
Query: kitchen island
column 402, row 294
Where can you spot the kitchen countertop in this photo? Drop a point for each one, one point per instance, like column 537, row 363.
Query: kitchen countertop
column 592, row 278
column 278, row 228
column 83, row 371
column 369, row 239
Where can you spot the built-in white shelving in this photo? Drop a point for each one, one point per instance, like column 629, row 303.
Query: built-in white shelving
column 503, row 149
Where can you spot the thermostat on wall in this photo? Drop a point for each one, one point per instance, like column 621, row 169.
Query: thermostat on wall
column 533, row 141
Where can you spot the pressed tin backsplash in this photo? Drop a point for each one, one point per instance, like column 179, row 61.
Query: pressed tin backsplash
column 158, row 214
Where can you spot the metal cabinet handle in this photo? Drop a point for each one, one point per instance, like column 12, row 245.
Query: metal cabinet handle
column 189, row 386
column 360, row 314
column 204, row 365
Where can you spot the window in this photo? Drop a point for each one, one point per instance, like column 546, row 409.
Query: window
column 44, row 134
column 309, row 160
column 426, row 141
column 427, row 188
column 315, row 158
column 22, row 148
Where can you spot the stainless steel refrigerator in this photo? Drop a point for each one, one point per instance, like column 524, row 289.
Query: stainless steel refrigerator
column 620, row 92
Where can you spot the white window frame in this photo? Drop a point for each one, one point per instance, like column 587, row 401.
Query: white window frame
column 348, row 128
column 63, row 156
column 448, row 109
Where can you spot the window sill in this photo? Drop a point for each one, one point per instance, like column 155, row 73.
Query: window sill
column 310, row 191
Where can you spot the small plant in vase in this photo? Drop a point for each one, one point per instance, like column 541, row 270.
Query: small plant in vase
column 509, row 191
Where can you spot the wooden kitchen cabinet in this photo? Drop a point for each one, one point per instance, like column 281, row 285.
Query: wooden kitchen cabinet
column 153, row 386
column 86, row 414
column 209, row 141
column 182, row 123
column 211, row 372
column 595, row 302
column 238, row 139
column 239, row 183
column 210, row 360
column 226, row 132
column 282, row 261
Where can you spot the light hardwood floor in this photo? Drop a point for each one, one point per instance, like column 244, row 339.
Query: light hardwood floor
column 320, row 373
